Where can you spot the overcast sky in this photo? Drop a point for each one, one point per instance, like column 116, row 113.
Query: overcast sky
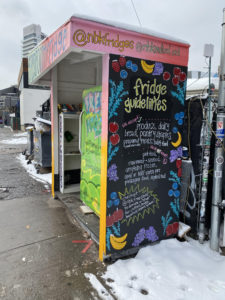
column 195, row 21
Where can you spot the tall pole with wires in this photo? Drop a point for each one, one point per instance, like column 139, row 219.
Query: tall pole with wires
column 219, row 152
column 208, row 52
column 209, row 98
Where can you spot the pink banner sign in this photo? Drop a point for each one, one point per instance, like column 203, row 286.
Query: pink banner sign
column 46, row 53
column 107, row 39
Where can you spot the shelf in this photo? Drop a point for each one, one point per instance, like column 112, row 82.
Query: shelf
column 71, row 188
column 74, row 116
column 68, row 144
column 72, row 154
column 71, row 157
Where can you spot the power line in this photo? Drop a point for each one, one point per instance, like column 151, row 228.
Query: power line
column 136, row 13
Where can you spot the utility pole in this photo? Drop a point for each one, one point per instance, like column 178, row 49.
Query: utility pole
column 208, row 52
column 219, row 152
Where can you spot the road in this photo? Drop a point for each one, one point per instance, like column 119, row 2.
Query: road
column 37, row 257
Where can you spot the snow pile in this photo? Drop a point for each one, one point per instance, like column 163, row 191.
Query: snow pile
column 40, row 126
column 18, row 139
column 130, row 27
column 169, row 270
column 30, row 168
column 103, row 293
column 15, row 141
column 20, row 134
column 201, row 84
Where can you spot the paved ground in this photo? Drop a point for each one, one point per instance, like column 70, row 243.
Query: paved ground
column 37, row 257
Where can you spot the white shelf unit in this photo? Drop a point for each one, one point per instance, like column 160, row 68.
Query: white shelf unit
column 69, row 154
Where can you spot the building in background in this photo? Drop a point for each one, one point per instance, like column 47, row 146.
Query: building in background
column 31, row 96
column 9, row 107
column 18, row 104
column 32, row 35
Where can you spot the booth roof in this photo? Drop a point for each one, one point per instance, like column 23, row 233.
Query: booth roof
column 129, row 27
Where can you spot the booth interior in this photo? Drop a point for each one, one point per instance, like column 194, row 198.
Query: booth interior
column 77, row 75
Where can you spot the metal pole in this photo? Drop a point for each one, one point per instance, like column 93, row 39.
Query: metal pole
column 205, row 171
column 219, row 151
column 205, row 165
column 209, row 101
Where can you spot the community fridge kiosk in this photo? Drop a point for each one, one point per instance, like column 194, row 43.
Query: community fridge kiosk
column 142, row 78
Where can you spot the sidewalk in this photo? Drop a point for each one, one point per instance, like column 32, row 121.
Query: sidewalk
column 39, row 261
column 37, row 257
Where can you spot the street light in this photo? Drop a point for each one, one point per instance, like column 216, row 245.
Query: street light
column 208, row 52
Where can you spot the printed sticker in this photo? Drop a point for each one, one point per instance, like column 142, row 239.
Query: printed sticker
column 218, row 174
column 220, row 160
column 220, row 125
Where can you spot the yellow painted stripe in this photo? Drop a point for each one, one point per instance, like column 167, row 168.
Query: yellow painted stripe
column 102, row 233
column 104, row 156
column 52, row 137
column 53, row 164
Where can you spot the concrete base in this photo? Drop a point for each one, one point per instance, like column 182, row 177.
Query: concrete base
column 89, row 222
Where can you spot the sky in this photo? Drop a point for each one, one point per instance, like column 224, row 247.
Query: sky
column 196, row 21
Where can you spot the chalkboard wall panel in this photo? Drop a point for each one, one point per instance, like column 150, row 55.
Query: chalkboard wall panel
column 145, row 118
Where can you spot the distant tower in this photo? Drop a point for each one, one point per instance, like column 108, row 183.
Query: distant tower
column 32, row 35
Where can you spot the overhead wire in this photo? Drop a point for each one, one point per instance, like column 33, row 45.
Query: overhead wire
column 136, row 13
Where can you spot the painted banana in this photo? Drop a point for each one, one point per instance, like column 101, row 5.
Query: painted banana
column 147, row 68
column 178, row 142
column 118, row 243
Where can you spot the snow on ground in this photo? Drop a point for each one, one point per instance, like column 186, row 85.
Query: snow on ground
column 99, row 287
column 16, row 141
column 9, row 127
column 20, row 134
column 170, row 270
column 30, row 168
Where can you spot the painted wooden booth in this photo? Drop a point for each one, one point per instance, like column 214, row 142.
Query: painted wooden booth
column 126, row 142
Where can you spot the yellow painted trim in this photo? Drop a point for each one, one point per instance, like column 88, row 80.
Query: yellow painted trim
column 53, row 164
column 104, row 156
column 52, row 136
column 102, row 232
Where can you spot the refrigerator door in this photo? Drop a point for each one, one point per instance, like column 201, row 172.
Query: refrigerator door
column 90, row 148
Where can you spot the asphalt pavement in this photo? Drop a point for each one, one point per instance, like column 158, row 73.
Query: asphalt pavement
column 38, row 260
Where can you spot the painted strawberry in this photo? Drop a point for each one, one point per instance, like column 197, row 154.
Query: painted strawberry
column 119, row 214
column 116, row 65
column 109, row 221
column 114, row 139
column 113, row 127
column 169, row 230
column 178, row 163
column 182, row 76
column 175, row 227
column 122, row 61
column 176, row 71
column 166, row 76
column 175, row 80
column 179, row 172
